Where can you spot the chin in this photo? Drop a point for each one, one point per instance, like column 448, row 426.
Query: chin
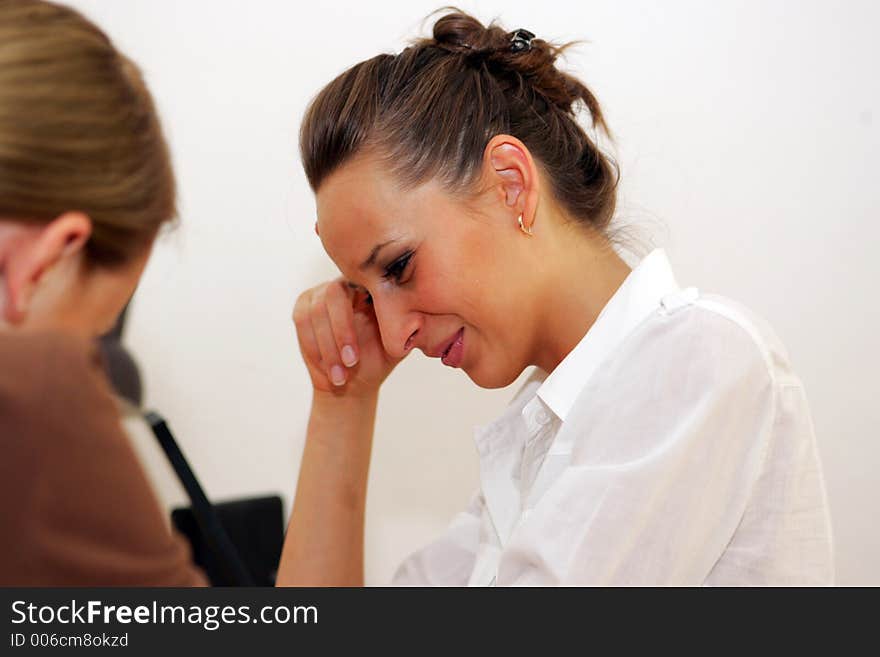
column 496, row 378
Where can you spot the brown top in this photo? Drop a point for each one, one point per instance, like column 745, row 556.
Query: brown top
column 75, row 506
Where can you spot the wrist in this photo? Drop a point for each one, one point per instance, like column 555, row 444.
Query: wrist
column 343, row 421
column 345, row 399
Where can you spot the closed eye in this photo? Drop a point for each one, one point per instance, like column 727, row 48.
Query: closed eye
column 394, row 271
column 397, row 268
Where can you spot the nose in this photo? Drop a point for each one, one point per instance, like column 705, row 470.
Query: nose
column 398, row 325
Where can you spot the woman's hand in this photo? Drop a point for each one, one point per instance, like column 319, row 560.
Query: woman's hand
column 340, row 342
column 339, row 339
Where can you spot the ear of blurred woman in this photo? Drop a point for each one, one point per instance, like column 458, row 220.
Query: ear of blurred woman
column 508, row 161
column 28, row 252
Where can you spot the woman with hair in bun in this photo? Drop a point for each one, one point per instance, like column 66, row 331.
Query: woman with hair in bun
column 85, row 185
column 662, row 438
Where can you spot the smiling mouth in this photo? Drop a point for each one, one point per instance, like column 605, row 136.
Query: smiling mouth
column 454, row 353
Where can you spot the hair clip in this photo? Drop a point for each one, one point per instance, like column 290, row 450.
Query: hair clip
column 521, row 40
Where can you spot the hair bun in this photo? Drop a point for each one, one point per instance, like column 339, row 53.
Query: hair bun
column 463, row 34
column 518, row 57
column 457, row 31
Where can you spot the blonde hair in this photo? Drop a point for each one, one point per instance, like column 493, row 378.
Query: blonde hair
column 79, row 131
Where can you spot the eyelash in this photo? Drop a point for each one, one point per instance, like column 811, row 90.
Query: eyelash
column 395, row 270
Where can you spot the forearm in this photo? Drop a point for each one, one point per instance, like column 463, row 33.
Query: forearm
column 325, row 539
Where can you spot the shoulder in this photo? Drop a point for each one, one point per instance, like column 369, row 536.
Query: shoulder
column 696, row 355
column 71, row 486
column 51, row 383
column 35, row 359
column 52, row 402
column 695, row 377
column 715, row 333
column 756, row 333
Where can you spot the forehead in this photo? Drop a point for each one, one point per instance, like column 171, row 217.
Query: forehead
column 354, row 203
column 361, row 205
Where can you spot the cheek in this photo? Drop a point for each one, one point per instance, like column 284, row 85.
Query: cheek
column 491, row 275
column 489, row 300
column 466, row 276
column 451, row 291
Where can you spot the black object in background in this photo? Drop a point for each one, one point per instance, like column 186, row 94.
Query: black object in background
column 234, row 572
column 120, row 366
column 256, row 528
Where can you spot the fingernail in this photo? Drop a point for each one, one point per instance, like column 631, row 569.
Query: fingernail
column 348, row 355
column 337, row 375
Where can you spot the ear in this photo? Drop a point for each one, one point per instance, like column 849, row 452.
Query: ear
column 508, row 161
column 35, row 251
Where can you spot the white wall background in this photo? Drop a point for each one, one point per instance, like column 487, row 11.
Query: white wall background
column 748, row 139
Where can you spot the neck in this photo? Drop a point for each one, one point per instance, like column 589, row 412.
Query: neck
column 588, row 274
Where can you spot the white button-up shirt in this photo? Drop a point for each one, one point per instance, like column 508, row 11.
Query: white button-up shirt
column 672, row 446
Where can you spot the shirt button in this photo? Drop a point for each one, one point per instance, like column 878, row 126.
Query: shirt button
column 542, row 417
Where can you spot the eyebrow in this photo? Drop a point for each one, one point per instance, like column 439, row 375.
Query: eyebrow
column 375, row 252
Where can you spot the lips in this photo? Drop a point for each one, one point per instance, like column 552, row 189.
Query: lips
column 454, row 354
column 443, row 348
column 451, row 350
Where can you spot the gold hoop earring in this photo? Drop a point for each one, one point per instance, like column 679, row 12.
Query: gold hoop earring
column 527, row 231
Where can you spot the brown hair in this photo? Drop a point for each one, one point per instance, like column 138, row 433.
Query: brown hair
column 78, row 131
column 431, row 110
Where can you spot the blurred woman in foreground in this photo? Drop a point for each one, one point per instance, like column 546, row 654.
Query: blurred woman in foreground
column 85, row 184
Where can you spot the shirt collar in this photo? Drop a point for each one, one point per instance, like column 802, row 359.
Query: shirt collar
column 638, row 296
